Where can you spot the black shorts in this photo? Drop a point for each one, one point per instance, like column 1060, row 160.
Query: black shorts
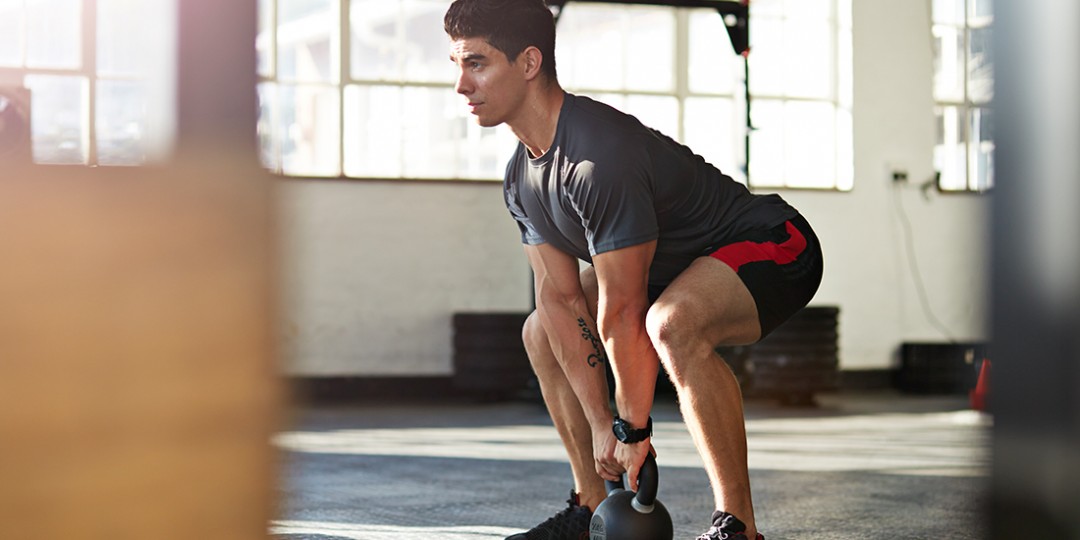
column 781, row 267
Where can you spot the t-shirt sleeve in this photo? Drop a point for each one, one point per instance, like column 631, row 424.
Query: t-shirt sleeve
column 529, row 234
column 613, row 195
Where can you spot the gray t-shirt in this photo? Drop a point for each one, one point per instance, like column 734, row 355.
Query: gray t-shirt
column 609, row 182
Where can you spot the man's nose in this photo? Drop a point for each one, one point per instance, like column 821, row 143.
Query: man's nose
column 463, row 86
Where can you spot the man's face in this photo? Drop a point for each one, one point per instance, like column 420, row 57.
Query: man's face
column 493, row 86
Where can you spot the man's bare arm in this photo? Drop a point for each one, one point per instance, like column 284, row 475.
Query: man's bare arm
column 623, row 278
column 572, row 331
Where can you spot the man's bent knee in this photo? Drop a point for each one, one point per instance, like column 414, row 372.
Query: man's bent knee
column 533, row 334
column 675, row 336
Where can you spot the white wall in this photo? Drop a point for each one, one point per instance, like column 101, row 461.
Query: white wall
column 374, row 270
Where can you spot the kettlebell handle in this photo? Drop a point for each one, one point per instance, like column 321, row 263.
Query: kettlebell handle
column 648, row 484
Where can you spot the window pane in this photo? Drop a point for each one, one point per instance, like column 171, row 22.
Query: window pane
column 845, row 75
column 400, row 40
column 845, row 150
column 419, row 132
column 310, row 116
column 264, row 39
column 58, row 112
column 486, row 151
column 949, row 12
column 308, row 40
column 268, row 128
column 767, row 56
column 11, row 33
column 981, row 9
column 649, row 39
column 948, row 63
column 426, row 45
column 792, row 57
column 767, row 143
column 808, row 10
column 616, row 47
column 375, row 47
column 121, row 122
column 809, row 144
column 949, row 153
column 53, row 32
column 794, row 145
column 714, row 133
column 808, row 59
column 980, row 66
column 589, row 48
column 982, row 149
column 766, row 8
column 120, row 36
column 373, row 131
column 714, row 66
column 431, row 132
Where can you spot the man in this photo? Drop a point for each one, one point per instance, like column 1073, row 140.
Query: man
column 683, row 259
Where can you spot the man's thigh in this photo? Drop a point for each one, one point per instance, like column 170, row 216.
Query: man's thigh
column 709, row 299
column 746, row 289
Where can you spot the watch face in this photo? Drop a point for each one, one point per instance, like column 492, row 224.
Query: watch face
column 625, row 433
column 620, row 431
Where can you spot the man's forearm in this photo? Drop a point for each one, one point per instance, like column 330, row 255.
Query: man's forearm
column 633, row 361
column 576, row 342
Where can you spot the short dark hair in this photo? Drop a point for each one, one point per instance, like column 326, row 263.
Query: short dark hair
column 508, row 25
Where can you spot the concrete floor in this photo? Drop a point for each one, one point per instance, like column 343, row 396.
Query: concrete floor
column 859, row 466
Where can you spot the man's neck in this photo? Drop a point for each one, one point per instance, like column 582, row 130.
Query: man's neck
column 536, row 125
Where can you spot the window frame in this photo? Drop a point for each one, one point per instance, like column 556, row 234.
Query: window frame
column 158, row 129
column 681, row 93
column 341, row 81
column 87, row 72
column 966, row 107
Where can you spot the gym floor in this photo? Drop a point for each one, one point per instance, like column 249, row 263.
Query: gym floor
column 858, row 466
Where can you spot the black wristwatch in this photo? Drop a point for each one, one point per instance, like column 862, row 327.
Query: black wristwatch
column 627, row 434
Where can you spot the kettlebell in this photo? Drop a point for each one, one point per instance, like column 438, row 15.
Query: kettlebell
column 625, row 515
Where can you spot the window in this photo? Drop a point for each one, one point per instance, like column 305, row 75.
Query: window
column 963, row 88
column 100, row 92
column 675, row 70
column 801, row 88
column 364, row 88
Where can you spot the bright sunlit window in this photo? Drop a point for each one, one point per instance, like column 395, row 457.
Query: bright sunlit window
column 963, row 88
column 676, row 70
column 100, row 75
column 364, row 89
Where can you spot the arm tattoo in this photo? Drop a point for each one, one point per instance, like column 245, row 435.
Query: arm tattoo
column 598, row 357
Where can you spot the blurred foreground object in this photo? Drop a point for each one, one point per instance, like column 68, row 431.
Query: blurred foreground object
column 1036, row 286
column 138, row 375
column 136, row 368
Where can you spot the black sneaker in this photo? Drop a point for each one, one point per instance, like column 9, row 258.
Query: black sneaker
column 572, row 523
column 726, row 527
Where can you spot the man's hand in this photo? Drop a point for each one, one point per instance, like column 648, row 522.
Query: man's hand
column 631, row 456
column 604, row 444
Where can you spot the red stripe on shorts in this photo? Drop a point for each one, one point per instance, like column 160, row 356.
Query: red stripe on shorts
column 740, row 253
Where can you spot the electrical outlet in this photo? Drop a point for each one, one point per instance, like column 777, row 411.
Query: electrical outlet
column 896, row 172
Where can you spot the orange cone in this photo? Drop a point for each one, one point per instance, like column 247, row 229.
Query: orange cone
column 979, row 396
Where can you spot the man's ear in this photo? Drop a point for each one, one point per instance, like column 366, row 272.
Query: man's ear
column 531, row 60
